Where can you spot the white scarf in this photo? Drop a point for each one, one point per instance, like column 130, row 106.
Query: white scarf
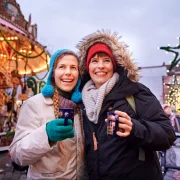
column 93, row 98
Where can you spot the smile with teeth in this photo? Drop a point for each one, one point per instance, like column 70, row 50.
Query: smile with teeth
column 100, row 73
column 67, row 80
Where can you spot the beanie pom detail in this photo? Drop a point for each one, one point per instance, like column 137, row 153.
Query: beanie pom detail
column 76, row 97
column 47, row 91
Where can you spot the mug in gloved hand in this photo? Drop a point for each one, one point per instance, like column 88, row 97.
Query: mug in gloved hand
column 66, row 113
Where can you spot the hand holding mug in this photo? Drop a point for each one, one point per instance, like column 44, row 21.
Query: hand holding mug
column 120, row 122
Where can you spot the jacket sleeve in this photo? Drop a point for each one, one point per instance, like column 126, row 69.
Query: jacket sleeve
column 152, row 129
column 30, row 142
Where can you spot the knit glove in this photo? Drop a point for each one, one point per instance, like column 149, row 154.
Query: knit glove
column 56, row 130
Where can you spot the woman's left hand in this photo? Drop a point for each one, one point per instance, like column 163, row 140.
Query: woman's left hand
column 124, row 125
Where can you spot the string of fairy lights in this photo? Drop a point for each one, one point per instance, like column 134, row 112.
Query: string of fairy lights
column 173, row 96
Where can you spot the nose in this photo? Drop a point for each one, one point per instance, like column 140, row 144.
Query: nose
column 100, row 64
column 68, row 70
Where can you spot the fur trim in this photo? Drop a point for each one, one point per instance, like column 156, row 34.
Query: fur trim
column 119, row 50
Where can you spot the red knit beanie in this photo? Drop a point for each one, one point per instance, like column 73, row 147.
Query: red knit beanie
column 96, row 48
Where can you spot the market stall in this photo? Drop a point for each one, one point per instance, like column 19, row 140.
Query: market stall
column 22, row 57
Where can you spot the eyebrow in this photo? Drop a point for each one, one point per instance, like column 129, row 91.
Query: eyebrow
column 66, row 64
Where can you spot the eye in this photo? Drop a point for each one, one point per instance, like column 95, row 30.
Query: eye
column 74, row 67
column 61, row 67
column 107, row 60
column 94, row 61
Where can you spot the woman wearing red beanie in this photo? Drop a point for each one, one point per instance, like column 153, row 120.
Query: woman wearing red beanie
column 141, row 126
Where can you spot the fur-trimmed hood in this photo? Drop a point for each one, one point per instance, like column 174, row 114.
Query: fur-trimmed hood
column 118, row 48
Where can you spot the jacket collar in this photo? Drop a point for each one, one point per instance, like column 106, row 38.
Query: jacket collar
column 122, row 89
column 48, row 101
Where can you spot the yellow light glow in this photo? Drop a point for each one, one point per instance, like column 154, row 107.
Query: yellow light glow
column 40, row 69
column 48, row 59
column 23, row 72
column 35, row 70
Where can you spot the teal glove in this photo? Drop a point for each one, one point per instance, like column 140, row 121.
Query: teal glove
column 56, row 130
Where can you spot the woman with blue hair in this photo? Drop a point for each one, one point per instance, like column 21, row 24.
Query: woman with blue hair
column 51, row 149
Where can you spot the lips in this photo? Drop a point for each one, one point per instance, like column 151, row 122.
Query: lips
column 101, row 73
column 67, row 80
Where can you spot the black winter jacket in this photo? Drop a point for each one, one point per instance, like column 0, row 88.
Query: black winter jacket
column 117, row 158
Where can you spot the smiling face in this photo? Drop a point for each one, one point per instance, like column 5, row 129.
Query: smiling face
column 100, row 69
column 66, row 73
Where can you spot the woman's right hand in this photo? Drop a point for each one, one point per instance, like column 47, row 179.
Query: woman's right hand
column 56, row 130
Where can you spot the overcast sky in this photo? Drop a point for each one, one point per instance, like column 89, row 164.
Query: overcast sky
column 144, row 25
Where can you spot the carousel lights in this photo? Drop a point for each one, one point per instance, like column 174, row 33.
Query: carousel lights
column 25, row 51
column 9, row 38
column 3, row 55
column 40, row 69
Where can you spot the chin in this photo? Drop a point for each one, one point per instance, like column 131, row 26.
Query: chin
column 67, row 89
